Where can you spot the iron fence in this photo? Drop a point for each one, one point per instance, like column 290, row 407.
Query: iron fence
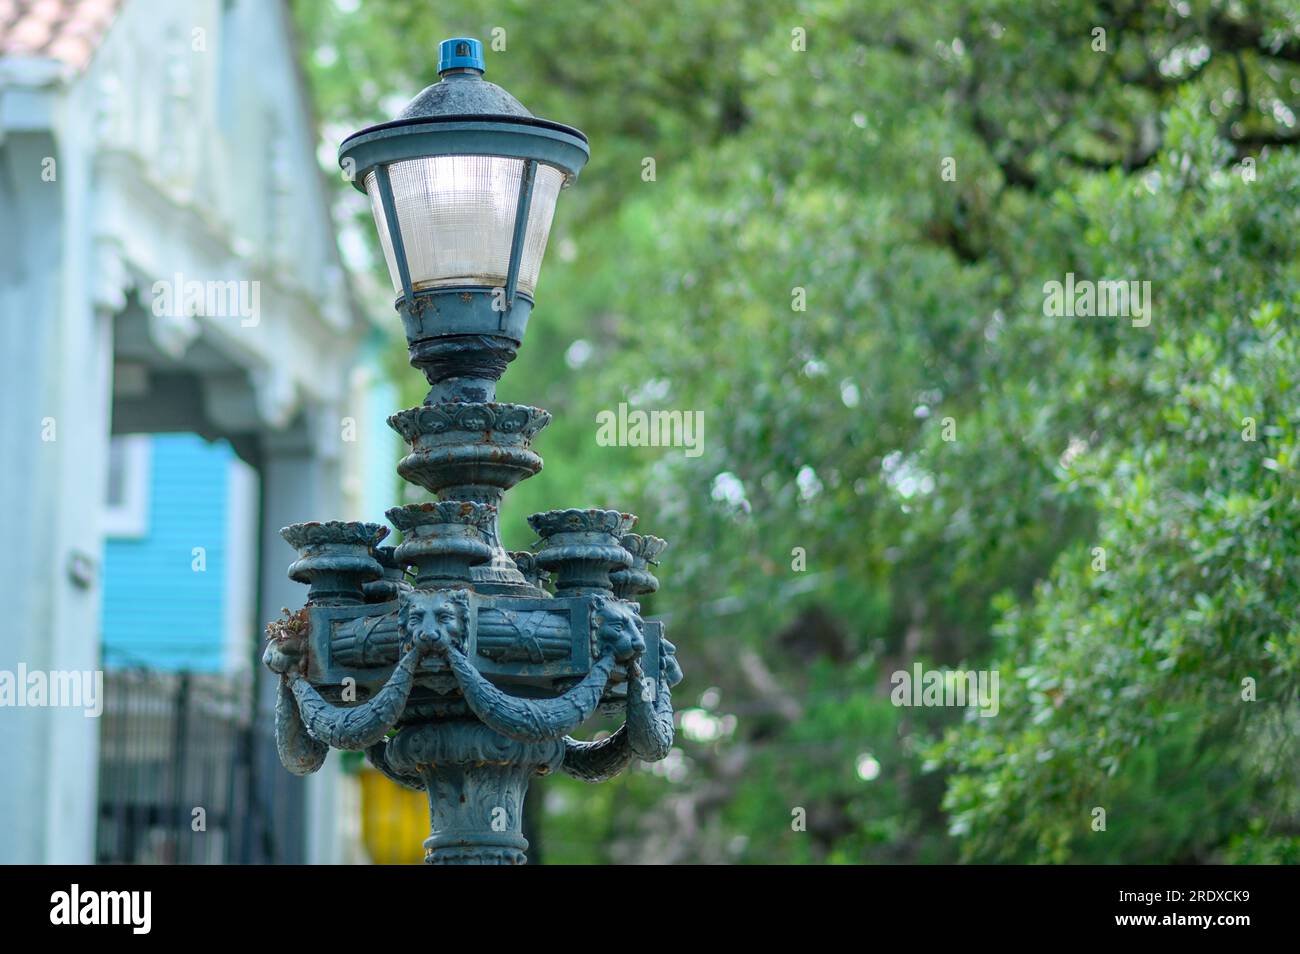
column 187, row 775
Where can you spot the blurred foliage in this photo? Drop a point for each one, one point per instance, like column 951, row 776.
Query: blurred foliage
column 1167, row 157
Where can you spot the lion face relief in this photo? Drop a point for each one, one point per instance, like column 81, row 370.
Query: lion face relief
column 619, row 630
column 435, row 620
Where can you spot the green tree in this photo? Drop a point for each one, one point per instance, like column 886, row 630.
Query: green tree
column 948, row 457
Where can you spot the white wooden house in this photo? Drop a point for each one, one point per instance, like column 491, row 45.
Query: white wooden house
column 167, row 263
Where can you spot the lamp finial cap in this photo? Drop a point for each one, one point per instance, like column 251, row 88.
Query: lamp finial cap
column 460, row 53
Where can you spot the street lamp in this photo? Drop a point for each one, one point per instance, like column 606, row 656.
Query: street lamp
column 458, row 668
column 463, row 186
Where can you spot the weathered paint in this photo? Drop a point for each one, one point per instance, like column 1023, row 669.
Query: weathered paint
column 476, row 664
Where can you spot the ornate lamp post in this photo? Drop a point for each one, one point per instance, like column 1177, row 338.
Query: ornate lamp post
column 449, row 661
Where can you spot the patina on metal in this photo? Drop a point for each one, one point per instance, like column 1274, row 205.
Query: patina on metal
column 460, row 669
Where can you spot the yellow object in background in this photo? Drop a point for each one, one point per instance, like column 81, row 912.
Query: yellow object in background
column 394, row 820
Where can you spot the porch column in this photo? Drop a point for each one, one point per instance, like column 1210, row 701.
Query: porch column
column 300, row 481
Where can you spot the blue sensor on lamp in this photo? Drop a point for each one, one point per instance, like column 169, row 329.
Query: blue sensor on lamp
column 460, row 53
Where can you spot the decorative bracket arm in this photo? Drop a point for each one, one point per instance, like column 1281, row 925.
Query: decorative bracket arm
column 597, row 761
column 377, row 755
column 530, row 720
column 299, row 752
column 647, row 732
column 357, row 727
column 649, row 720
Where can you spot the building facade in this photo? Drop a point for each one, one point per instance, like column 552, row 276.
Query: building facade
column 168, row 266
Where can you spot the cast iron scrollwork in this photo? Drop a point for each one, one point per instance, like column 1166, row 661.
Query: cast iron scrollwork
column 308, row 724
column 619, row 640
column 472, row 682
column 647, row 732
